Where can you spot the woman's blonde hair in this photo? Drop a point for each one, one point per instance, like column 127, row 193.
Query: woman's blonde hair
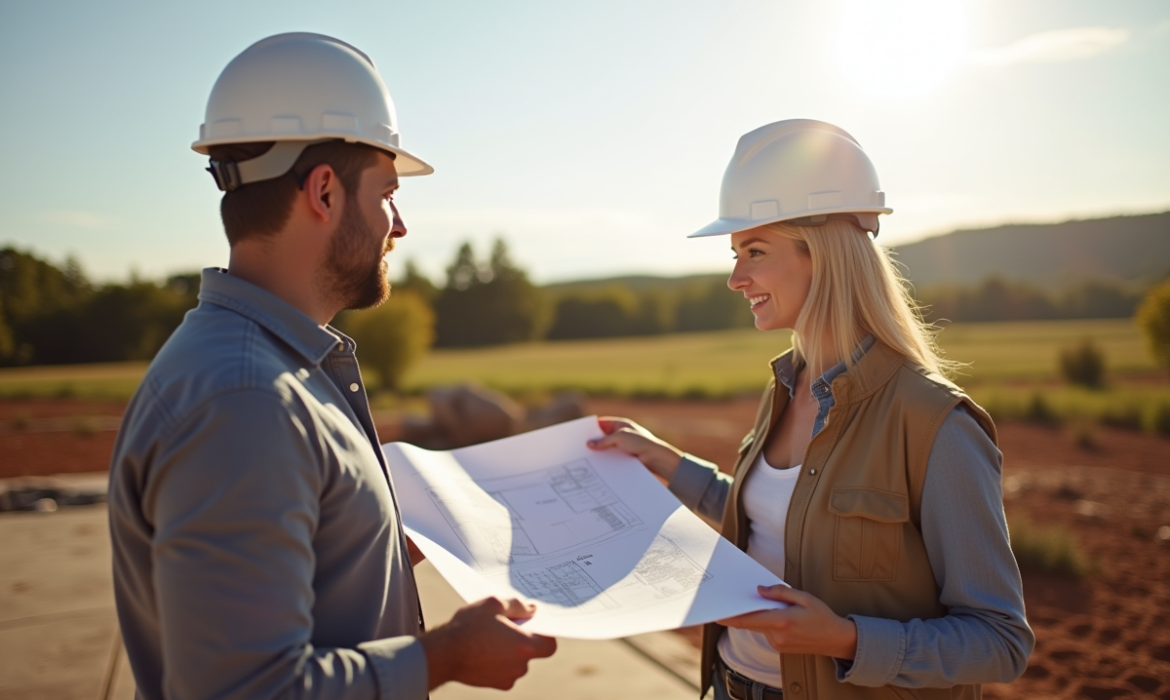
column 856, row 291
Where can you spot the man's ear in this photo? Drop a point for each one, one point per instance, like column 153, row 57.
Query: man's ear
column 323, row 193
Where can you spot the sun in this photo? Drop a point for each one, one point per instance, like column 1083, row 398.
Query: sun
column 901, row 48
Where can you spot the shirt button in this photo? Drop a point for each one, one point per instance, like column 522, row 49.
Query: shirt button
column 795, row 688
column 812, row 472
column 354, row 387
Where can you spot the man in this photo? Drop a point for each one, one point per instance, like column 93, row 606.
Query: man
column 258, row 549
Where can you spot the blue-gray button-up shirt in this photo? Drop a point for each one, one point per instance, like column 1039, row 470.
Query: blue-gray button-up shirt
column 984, row 637
column 257, row 545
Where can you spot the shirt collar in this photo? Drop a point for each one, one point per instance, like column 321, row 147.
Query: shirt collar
column 304, row 335
column 786, row 370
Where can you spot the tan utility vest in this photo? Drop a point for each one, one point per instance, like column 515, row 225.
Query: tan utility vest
column 852, row 537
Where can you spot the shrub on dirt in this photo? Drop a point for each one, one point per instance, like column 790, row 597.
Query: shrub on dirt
column 1157, row 419
column 1085, row 436
column 1050, row 549
column 1083, row 365
column 1040, row 411
column 1153, row 317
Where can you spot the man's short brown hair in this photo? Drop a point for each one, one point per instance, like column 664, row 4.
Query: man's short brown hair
column 262, row 208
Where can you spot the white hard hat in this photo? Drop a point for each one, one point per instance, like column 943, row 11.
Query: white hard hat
column 801, row 171
column 298, row 89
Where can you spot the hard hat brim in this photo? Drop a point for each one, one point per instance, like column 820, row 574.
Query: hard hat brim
column 405, row 163
column 726, row 226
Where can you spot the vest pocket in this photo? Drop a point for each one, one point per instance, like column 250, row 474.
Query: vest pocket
column 867, row 542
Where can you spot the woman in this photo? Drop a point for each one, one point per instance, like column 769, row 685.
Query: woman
column 870, row 483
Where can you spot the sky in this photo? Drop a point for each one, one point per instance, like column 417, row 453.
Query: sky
column 592, row 136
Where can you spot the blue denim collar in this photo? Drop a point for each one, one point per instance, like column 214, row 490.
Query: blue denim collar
column 822, row 387
column 786, row 370
column 304, row 335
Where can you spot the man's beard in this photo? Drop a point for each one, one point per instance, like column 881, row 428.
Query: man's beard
column 354, row 274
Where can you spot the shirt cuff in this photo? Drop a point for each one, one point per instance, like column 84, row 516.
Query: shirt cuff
column 881, row 646
column 400, row 665
column 691, row 480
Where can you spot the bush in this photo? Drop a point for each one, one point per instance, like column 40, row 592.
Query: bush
column 1157, row 420
column 1039, row 411
column 1049, row 549
column 1083, row 365
column 392, row 337
column 1153, row 317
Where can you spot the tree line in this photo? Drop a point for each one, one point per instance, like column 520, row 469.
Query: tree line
column 52, row 314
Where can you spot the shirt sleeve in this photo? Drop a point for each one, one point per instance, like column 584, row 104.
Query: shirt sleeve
column 233, row 499
column 701, row 487
column 984, row 636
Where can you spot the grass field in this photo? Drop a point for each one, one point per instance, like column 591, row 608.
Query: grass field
column 730, row 362
column 1006, row 358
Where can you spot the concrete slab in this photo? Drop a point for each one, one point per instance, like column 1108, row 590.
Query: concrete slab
column 57, row 623
column 580, row 670
column 59, row 637
column 64, row 658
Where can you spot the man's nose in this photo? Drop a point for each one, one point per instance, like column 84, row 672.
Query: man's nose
column 397, row 227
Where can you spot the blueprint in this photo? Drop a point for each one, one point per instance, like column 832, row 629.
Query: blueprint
column 551, row 510
column 599, row 546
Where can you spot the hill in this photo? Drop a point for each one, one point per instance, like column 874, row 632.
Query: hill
column 1122, row 249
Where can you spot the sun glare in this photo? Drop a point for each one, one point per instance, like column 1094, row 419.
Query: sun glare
column 901, row 48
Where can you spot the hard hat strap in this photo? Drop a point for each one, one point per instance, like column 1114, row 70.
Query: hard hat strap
column 231, row 175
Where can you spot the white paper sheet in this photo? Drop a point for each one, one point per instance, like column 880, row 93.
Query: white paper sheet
column 593, row 539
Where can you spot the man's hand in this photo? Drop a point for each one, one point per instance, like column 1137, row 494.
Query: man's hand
column 806, row 626
column 481, row 646
column 660, row 457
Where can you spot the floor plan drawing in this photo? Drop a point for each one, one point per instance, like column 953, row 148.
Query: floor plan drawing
column 598, row 545
column 566, row 585
column 549, row 511
column 664, row 570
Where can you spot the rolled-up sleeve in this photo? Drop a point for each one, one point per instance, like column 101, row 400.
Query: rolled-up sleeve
column 984, row 636
column 234, row 503
column 701, row 487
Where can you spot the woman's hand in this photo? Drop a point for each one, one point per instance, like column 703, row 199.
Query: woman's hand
column 806, row 626
column 659, row 457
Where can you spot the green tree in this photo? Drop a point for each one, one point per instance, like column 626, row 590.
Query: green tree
column 606, row 313
column 415, row 281
column 7, row 344
column 710, row 305
column 34, row 290
column 392, row 337
column 488, row 303
column 123, row 322
column 1153, row 317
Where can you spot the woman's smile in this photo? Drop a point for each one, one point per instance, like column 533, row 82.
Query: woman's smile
column 773, row 273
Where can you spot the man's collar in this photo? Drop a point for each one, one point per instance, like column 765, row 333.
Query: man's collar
column 301, row 333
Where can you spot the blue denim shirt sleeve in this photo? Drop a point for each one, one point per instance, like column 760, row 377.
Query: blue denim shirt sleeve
column 233, row 550
column 984, row 636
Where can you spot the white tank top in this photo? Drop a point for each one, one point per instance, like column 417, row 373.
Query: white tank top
column 766, row 495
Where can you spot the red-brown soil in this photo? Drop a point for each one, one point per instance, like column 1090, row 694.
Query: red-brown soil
column 1104, row 636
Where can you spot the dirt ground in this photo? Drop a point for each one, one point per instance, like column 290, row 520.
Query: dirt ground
column 1104, row 636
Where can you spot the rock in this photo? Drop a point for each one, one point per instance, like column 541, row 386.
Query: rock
column 468, row 414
